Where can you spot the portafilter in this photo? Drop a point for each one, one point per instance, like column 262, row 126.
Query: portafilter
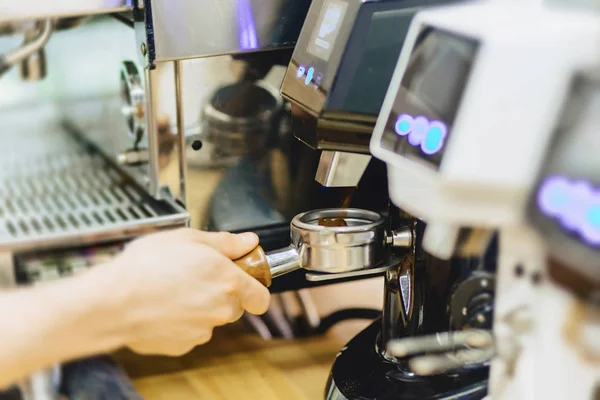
column 333, row 240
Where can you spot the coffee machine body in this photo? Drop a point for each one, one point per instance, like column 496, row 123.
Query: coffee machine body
column 336, row 83
column 93, row 156
column 446, row 163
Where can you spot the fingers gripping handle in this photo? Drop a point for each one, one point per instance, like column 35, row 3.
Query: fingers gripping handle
column 265, row 267
column 256, row 265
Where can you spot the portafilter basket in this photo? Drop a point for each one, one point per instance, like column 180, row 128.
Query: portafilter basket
column 333, row 240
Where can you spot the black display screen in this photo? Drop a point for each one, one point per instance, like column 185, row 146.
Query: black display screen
column 565, row 205
column 429, row 96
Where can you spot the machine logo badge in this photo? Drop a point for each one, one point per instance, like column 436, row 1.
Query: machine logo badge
column 574, row 204
column 430, row 136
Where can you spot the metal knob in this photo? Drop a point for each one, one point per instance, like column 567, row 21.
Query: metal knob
column 402, row 237
column 454, row 350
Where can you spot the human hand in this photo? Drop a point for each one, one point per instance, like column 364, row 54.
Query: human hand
column 179, row 285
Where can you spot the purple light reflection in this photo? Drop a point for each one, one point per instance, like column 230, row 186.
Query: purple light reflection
column 418, row 131
column 248, row 37
column 434, row 140
column 574, row 204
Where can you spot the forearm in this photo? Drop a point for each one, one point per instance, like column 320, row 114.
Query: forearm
column 63, row 320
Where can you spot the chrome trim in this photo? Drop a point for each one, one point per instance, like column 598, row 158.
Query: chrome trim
column 181, row 142
column 341, row 169
column 182, row 29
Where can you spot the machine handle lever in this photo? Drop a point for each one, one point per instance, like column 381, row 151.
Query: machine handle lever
column 256, row 265
column 264, row 267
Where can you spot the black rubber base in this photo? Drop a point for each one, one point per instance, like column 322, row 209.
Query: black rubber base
column 359, row 372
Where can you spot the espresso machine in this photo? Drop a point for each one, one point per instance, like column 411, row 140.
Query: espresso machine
column 91, row 159
column 94, row 159
column 446, row 150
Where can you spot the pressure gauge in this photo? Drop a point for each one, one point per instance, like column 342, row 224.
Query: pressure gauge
column 468, row 116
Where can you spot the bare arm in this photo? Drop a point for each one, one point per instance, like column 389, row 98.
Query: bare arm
column 60, row 321
column 163, row 295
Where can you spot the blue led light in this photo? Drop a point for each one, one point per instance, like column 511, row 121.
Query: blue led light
column 434, row 140
column 403, row 124
column 309, row 75
column 429, row 135
column 419, row 130
column 557, row 197
column 300, row 71
column 593, row 216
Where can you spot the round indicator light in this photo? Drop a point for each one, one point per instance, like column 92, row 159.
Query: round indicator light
column 593, row 216
column 590, row 231
column 403, row 124
column 300, row 71
column 434, row 139
column 553, row 196
column 419, row 131
column 573, row 215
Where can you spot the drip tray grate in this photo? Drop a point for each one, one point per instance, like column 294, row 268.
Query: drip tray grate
column 55, row 189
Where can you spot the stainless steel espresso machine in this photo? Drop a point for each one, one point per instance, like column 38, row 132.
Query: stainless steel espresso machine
column 89, row 158
column 94, row 159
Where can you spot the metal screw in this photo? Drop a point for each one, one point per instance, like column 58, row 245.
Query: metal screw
column 196, row 145
column 143, row 49
column 480, row 318
column 484, row 283
column 519, row 270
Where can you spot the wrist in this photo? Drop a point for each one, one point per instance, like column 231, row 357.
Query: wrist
column 92, row 306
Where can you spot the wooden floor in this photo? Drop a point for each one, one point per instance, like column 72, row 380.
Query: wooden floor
column 237, row 364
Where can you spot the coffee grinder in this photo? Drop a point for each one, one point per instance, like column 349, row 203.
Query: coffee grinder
column 336, row 83
column 447, row 157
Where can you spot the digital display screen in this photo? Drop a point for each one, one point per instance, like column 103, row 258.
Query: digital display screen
column 423, row 113
column 327, row 29
column 565, row 205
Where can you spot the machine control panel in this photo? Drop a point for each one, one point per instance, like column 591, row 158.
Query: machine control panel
column 565, row 205
column 345, row 45
column 421, row 119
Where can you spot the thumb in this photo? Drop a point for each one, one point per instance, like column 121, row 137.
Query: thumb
column 230, row 245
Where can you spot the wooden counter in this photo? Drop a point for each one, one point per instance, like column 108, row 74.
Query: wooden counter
column 237, row 364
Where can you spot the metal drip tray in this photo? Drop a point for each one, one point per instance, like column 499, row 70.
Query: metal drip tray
column 57, row 190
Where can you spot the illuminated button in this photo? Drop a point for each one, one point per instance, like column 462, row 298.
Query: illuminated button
column 553, row 196
column 419, row 131
column 318, row 78
column 593, row 216
column 590, row 229
column 572, row 216
column 309, row 75
column 403, row 124
column 434, row 139
column 300, row 71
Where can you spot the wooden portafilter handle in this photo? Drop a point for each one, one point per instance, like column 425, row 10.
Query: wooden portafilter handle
column 256, row 265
